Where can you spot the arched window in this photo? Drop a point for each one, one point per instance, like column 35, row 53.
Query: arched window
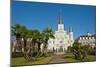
column 83, row 38
column 49, row 41
column 53, row 42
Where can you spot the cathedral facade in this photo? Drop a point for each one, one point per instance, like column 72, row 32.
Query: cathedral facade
column 62, row 39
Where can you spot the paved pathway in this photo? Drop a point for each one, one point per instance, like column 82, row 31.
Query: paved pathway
column 57, row 59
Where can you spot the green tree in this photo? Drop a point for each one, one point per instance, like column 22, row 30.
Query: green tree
column 69, row 48
column 19, row 32
column 47, row 33
column 32, row 40
column 76, row 48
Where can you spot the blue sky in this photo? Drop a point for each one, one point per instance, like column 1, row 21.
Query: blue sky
column 35, row 15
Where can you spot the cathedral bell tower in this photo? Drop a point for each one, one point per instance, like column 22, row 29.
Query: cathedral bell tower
column 60, row 24
column 71, row 35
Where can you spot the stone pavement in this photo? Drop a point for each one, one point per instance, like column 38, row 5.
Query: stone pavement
column 57, row 59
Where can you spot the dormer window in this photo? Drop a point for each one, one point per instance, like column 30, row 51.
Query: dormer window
column 86, row 38
column 83, row 38
column 80, row 38
column 92, row 37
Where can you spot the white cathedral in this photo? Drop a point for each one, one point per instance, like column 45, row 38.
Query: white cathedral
column 62, row 39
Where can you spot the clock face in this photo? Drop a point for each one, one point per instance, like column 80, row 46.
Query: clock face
column 61, row 42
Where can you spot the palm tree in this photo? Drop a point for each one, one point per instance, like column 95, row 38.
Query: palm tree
column 21, row 33
column 16, row 31
column 32, row 40
column 47, row 33
column 33, row 46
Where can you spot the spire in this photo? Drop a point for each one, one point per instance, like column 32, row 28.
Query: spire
column 70, row 29
column 60, row 20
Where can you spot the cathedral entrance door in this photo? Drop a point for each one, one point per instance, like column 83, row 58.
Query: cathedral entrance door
column 60, row 49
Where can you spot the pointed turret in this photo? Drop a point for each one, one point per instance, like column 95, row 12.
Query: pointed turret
column 70, row 29
column 71, row 38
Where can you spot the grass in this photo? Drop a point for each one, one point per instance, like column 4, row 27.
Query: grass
column 21, row 61
column 70, row 58
column 44, row 60
column 91, row 58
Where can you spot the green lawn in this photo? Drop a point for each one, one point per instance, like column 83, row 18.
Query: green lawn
column 44, row 60
column 70, row 58
column 22, row 61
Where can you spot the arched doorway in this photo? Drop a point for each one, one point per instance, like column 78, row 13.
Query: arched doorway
column 60, row 49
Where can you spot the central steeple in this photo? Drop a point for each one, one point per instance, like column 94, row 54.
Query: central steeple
column 60, row 24
column 60, row 20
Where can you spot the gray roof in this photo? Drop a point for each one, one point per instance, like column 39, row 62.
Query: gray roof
column 94, row 35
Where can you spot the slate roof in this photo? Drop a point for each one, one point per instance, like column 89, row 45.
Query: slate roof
column 85, row 36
